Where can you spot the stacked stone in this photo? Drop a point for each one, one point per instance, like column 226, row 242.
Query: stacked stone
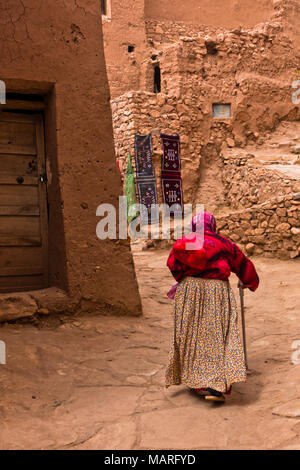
column 247, row 183
column 271, row 229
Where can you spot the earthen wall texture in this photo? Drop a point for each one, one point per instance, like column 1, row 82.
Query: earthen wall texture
column 125, row 27
column 220, row 13
column 56, row 47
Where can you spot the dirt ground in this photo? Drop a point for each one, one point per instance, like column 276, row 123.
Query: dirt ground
column 96, row 382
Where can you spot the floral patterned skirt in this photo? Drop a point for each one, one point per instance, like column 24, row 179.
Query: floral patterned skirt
column 206, row 350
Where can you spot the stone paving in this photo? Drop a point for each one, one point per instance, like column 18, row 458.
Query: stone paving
column 97, row 382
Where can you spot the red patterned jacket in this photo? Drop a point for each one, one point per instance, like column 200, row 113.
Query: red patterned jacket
column 222, row 257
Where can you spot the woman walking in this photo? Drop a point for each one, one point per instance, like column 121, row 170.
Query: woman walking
column 207, row 353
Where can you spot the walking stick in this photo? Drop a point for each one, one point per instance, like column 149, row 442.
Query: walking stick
column 243, row 324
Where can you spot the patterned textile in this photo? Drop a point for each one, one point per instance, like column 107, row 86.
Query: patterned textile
column 170, row 171
column 145, row 176
column 171, row 152
column 147, row 196
column 129, row 189
column 143, row 156
column 206, row 349
column 172, row 191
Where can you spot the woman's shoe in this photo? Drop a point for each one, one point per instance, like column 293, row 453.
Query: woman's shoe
column 214, row 395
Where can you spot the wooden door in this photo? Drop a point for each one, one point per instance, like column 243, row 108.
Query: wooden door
column 23, row 204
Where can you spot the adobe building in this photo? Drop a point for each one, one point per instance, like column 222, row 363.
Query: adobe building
column 57, row 165
column 222, row 75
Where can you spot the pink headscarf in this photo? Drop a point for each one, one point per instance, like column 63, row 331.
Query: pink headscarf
column 206, row 219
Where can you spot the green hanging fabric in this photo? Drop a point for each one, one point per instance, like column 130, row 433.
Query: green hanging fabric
column 130, row 189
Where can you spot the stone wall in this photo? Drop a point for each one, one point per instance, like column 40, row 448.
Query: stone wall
column 143, row 112
column 247, row 182
column 271, row 228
